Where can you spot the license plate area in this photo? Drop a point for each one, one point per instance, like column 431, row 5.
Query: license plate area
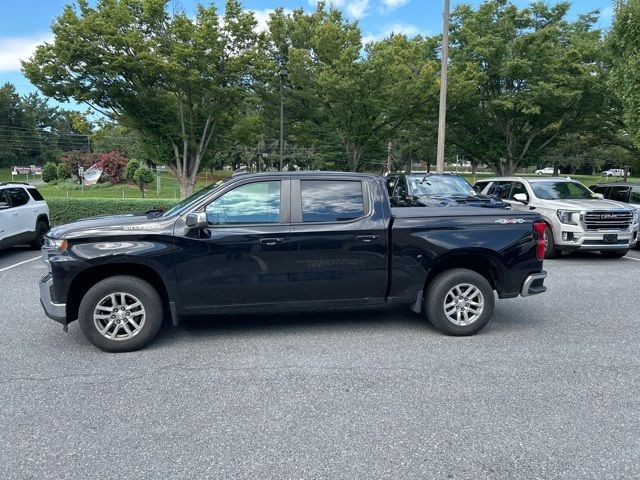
column 610, row 238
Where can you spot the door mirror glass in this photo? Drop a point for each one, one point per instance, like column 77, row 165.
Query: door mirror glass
column 521, row 197
column 197, row 220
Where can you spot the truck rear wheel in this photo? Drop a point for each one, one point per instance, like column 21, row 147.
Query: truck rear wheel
column 120, row 314
column 459, row 302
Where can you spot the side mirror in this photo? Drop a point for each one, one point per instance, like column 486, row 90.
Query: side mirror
column 521, row 197
column 197, row 220
column 600, row 196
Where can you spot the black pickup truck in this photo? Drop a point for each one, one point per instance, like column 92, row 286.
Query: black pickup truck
column 287, row 241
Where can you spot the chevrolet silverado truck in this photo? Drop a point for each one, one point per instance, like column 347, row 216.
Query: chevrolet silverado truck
column 271, row 241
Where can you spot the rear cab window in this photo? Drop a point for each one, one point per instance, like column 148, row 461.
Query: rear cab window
column 331, row 200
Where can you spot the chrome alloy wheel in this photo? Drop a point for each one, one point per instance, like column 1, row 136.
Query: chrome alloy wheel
column 463, row 304
column 119, row 316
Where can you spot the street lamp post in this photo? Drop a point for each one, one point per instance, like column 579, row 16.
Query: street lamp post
column 283, row 74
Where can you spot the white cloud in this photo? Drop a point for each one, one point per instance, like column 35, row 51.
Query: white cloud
column 14, row 49
column 353, row 8
column 394, row 3
column 262, row 17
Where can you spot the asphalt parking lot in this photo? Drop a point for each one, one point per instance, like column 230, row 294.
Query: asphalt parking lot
column 549, row 389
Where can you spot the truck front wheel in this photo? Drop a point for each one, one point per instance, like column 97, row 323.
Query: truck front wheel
column 459, row 302
column 120, row 313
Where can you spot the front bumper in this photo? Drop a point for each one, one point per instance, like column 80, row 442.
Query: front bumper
column 55, row 311
column 533, row 284
column 587, row 240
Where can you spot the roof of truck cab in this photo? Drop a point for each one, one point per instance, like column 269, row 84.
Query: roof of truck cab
column 307, row 174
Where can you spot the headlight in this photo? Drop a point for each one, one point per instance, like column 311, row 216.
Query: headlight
column 55, row 244
column 636, row 216
column 568, row 217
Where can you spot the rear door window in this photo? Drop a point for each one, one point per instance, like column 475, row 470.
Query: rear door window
column 331, row 200
column 18, row 197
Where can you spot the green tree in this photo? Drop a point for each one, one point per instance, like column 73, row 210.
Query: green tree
column 132, row 167
column 49, row 172
column 624, row 43
column 521, row 79
column 174, row 78
column 143, row 177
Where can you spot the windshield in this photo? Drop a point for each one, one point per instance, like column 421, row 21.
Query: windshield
column 439, row 185
column 561, row 191
column 180, row 207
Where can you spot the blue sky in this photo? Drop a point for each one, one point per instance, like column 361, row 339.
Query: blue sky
column 26, row 23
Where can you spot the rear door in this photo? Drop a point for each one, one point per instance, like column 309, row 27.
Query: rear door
column 338, row 242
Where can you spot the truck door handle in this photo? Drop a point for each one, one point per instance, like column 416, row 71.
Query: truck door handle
column 367, row 238
column 271, row 241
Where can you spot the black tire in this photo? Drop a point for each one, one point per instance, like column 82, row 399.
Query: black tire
column 550, row 250
column 41, row 229
column 134, row 287
column 438, row 293
column 613, row 253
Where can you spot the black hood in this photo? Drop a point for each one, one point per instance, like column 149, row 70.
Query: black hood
column 114, row 225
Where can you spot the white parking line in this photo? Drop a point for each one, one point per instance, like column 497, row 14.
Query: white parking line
column 632, row 258
column 20, row 263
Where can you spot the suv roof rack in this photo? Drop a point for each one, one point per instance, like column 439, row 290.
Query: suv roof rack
column 14, row 183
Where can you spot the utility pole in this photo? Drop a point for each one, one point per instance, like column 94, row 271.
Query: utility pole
column 283, row 74
column 442, row 116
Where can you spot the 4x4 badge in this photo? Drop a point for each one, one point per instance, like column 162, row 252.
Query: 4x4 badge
column 507, row 221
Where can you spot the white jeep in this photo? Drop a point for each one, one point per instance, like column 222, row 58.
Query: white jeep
column 24, row 215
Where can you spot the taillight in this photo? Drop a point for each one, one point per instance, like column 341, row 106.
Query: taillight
column 540, row 227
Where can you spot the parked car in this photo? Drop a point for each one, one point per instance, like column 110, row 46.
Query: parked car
column 24, row 215
column 302, row 240
column 577, row 219
column 613, row 172
column 435, row 190
column 545, row 171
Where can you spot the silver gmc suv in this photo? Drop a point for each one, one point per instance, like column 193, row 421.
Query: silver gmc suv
column 577, row 218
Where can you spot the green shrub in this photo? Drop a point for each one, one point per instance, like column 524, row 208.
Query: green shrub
column 63, row 171
column 49, row 172
column 65, row 210
column 130, row 169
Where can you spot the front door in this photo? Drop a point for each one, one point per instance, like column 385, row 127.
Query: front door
column 242, row 257
column 338, row 243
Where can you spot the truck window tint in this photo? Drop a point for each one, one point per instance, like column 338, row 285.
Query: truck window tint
column 18, row 197
column 35, row 194
column 561, row 191
column 331, row 200
column 479, row 186
column 4, row 200
column 257, row 202
column 620, row 194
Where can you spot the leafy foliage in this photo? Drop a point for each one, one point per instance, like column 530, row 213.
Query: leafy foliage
column 143, row 176
column 132, row 167
column 49, row 172
column 113, row 166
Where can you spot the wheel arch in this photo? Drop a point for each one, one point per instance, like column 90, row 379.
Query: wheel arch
column 86, row 279
column 484, row 264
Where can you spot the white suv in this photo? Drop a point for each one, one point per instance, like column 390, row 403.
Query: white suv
column 577, row 218
column 24, row 215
